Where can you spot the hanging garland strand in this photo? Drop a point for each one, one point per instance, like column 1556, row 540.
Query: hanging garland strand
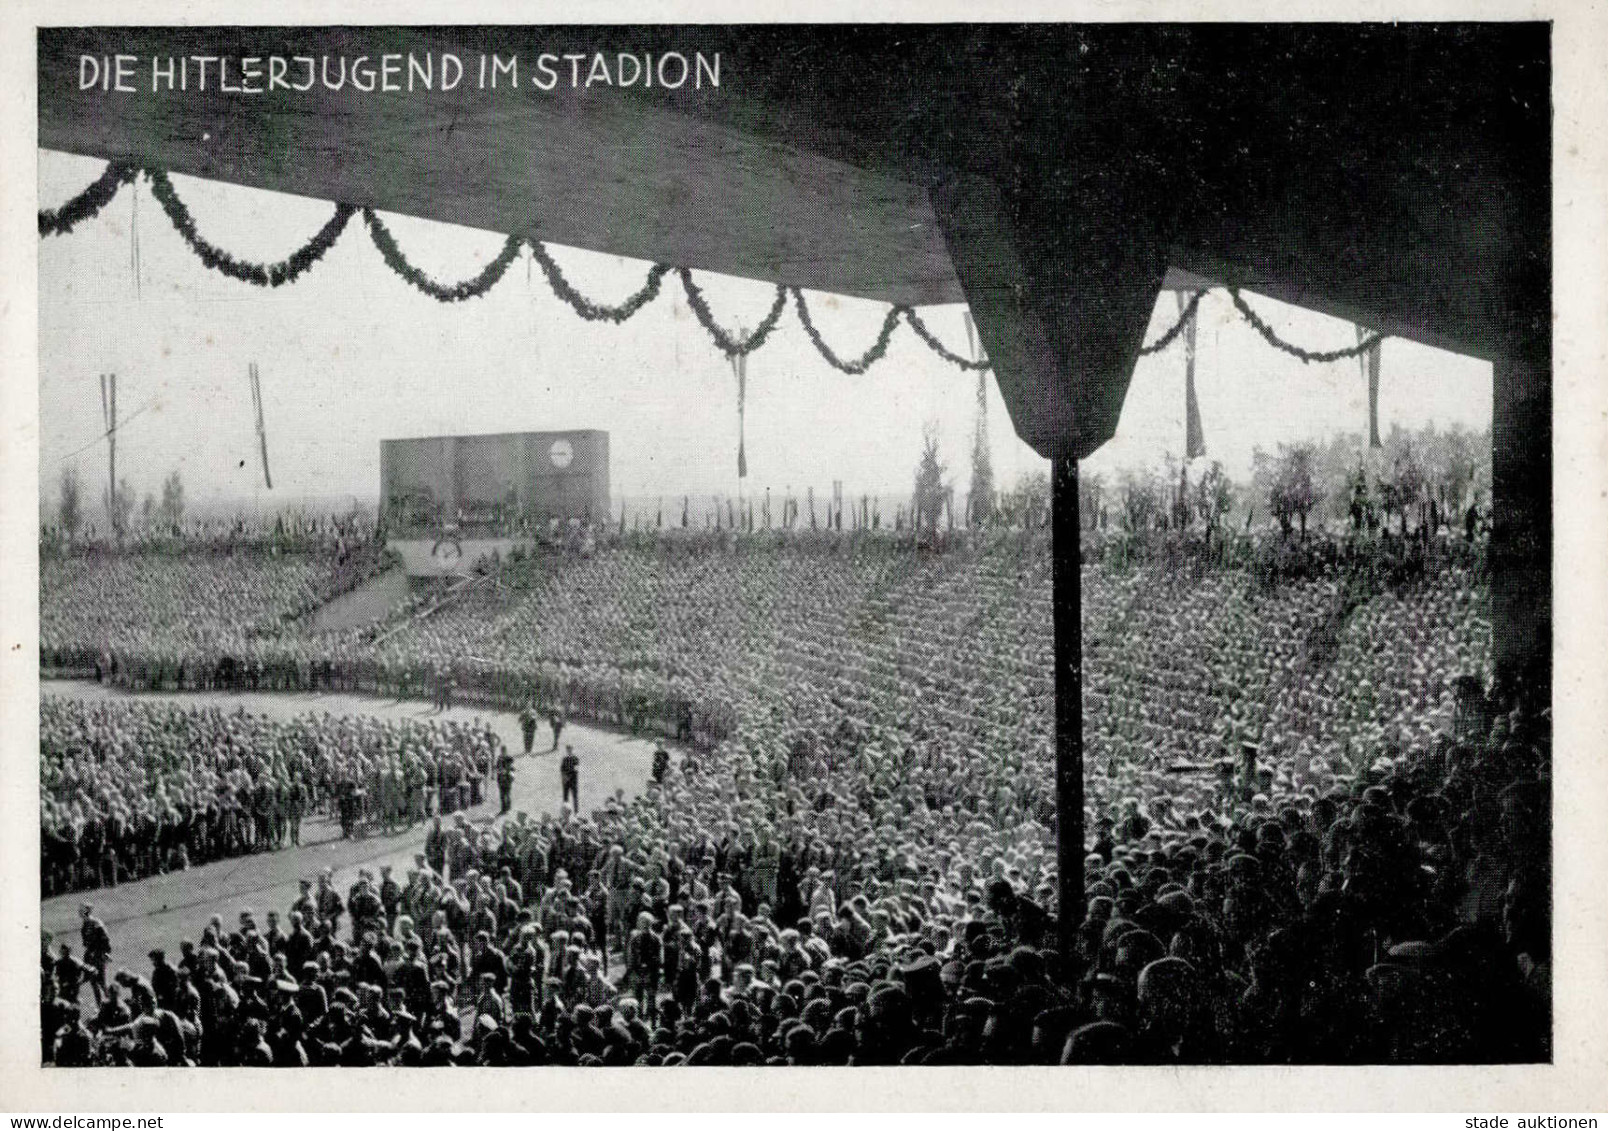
column 937, row 347
column 1296, row 351
column 727, row 344
column 99, row 193
column 287, row 270
column 585, row 307
column 1184, row 316
column 457, row 292
column 867, row 359
column 88, row 203
column 96, row 195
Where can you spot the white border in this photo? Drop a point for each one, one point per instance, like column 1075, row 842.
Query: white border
column 1577, row 1081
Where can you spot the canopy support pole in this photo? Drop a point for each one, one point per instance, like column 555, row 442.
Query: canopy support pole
column 1066, row 528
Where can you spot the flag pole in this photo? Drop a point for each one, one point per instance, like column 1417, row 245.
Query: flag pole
column 739, row 366
column 1194, row 434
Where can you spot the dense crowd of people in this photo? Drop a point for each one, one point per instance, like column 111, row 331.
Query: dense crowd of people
column 130, row 789
column 291, row 530
column 170, row 615
column 861, row 869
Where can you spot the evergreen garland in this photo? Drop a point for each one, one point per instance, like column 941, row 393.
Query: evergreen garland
column 865, row 361
column 1308, row 356
column 727, row 344
column 287, row 270
column 99, row 193
column 96, row 195
column 457, row 292
column 1184, row 316
column 937, row 347
column 585, row 307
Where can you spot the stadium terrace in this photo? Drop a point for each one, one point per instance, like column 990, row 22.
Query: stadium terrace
column 849, row 859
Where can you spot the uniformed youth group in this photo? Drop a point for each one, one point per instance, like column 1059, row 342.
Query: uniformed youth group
column 864, row 873
column 132, row 788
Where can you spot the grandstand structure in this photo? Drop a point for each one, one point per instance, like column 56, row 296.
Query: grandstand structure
column 1396, row 176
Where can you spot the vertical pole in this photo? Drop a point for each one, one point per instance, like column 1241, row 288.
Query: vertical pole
column 1520, row 551
column 1068, row 606
column 106, row 425
column 1194, row 435
column 262, row 428
column 1369, row 360
column 111, row 454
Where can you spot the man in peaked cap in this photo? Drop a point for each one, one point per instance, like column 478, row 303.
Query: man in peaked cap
column 569, row 772
column 97, row 946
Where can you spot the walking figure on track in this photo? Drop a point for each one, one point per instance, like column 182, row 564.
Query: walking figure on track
column 527, row 726
column 505, row 782
column 569, row 772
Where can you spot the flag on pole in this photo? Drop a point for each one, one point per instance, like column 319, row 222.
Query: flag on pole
column 1194, row 434
column 739, row 366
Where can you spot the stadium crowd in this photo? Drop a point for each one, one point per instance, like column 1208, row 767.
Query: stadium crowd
column 862, row 870
column 171, row 615
column 130, row 789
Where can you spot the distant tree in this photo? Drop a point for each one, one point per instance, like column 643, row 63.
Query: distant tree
column 1141, row 500
column 119, row 507
column 70, row 502
column 1213, row 495
column 981, row 501
column 1359, row 501
column 929, row 492
column 1031, row 497
column 147, row 510
column 1458, row 468
column 1091, row 489
column 1303, row 490
column 1179, row 504
column 1293, row 493
column 1404, row 485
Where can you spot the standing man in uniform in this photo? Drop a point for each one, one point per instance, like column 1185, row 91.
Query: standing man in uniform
column 97, row 949
column 348, row 806
column 569, row 773
column 505, row 782
column 555, row 719
column 527, row 726
column 295, row 801
column 330, row 907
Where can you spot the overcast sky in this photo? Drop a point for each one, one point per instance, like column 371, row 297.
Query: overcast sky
column 351, row 354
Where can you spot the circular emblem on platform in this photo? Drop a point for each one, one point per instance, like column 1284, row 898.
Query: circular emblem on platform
column 561, row 453
column 447, row 550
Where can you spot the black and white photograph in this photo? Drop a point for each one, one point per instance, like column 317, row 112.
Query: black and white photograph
column 794, row 546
